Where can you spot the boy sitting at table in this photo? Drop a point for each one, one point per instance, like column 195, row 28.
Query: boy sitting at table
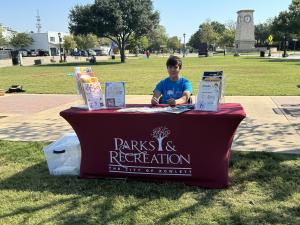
column 174, row 90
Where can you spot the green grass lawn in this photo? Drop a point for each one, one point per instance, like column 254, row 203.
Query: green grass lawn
column 244, row 75
column 265, row 189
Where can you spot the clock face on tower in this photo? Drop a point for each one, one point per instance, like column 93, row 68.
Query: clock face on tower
column 247, row 19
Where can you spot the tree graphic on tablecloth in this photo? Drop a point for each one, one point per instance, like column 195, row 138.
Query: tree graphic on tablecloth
column 160, row 133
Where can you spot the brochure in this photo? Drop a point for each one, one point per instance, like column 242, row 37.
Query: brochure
column 210, row 91
column 115, row 94
column 79, row 71
column 92, row 92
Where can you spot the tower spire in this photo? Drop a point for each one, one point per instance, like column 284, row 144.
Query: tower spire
column 38, row 22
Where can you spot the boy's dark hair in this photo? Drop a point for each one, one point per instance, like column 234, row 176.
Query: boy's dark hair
column 174, row 61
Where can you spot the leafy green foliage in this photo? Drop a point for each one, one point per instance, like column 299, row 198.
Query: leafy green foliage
column 85, row 42
column 158, row 38
column 213, row 33
column 21, row 40
column 3, row 41
column 173, row 43
column 262, row 31
column 69, row 42
column 118, row 20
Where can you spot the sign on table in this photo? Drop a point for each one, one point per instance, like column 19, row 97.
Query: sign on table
column 115, row 94
column 210, row 91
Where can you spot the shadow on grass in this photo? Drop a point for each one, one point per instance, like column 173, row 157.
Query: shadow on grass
column 269, row 171
column 99, row 63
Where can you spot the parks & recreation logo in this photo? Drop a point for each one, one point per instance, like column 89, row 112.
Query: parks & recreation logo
column 156, row 156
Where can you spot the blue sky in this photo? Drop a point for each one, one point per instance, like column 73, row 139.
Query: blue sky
column 178, row 16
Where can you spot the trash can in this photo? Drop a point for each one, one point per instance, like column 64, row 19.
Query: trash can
column 113, row 57
column 15, row 58
column 262, row 53
column 64, row 155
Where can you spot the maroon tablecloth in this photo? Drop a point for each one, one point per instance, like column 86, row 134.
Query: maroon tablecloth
column 193, row 147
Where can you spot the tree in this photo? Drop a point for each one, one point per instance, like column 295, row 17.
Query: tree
column 104, row 41
column 3, row 41
column 287, row 24
column 117, row 20
column 136, row 44
column 158, row 38
column 69, row 42
column 262, row 31
column 227, row 38
column 208, row 34
column 21, row 40
column 173, row 43
column 85, row 42
column 218, row 27
column 195, row 40
column 160, row 134
column 294, row 10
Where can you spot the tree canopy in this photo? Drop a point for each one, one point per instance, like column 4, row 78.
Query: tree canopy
column 21, row 40
column 118, row 20
column 85, row 42
column 213, row 32
column 69, row 42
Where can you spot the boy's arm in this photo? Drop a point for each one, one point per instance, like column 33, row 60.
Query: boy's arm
column 183, row 100
column 155, row 98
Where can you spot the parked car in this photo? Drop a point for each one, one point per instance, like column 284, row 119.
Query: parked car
column 84, row 53
column 33, row 53
column 101, row 52
column 24, row 52
column 91, row 52
column 75, row 53
column 43, row 53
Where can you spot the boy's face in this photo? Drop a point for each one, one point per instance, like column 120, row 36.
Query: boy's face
column 173, row 71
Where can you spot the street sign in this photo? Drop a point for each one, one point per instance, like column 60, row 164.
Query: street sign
column 270, row 39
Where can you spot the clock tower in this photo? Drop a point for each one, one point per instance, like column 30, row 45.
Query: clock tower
column 244, row 36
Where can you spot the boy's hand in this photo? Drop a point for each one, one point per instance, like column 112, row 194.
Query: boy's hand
column 172, row 102
column 154, row 101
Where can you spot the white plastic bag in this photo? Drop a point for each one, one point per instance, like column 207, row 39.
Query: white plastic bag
column 64, row 155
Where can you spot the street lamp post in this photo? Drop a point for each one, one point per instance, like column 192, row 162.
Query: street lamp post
column 183, row 44
column 59, row 39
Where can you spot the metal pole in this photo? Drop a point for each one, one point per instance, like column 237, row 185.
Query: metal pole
column 59, row 37
column 183, row 44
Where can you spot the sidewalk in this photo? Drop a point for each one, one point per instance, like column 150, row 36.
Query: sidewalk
column 271, row 125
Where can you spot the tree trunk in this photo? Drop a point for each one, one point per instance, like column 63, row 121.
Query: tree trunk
column 122, row 52
column 284, row 44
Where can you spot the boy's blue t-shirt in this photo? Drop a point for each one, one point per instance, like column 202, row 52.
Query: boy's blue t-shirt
column 173, row 89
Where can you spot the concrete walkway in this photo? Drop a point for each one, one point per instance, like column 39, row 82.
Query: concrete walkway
column 271, row 125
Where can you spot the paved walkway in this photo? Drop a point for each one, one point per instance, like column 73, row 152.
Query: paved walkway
column 271, row 125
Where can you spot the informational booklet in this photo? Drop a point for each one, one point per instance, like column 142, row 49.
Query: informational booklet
column 115, row 94
column 94, row 96
column 77, row 74
column 210, row 91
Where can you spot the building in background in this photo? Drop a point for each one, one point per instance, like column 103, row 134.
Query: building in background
column 48, row 41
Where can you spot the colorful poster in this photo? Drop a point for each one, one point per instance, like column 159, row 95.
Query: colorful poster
column 210, row 91
column 115, row 94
